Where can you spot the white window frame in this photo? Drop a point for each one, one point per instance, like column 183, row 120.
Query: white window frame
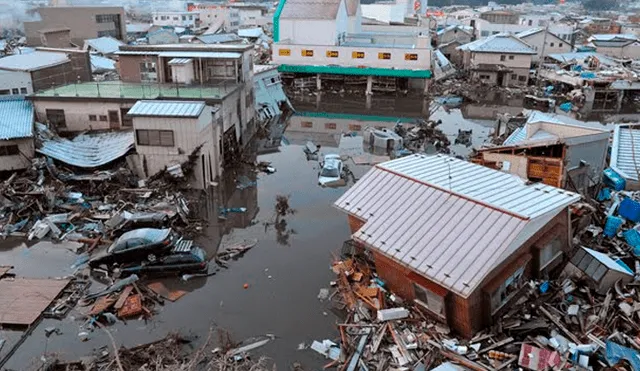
column 435, row 303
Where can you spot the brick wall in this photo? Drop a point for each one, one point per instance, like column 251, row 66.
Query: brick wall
column 129, row 67
column 355, row 224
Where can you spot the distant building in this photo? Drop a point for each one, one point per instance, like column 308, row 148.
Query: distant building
column 16, row 133
column 500, row 17
column 219, row 17
column 43, row 69
column 502, row 60
column 177, row 19
column 83, row 23
column 105, row 46
column 252, row 15
column 535, row 37
column 59, row 37
column 168, row 132
column 616, row 45
column 138, row 30
column 163, row 36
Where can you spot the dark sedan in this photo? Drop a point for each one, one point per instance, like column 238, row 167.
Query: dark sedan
column 145, row 244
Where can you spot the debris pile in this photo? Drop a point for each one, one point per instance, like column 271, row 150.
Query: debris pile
column 424, row 136
column 571, row 322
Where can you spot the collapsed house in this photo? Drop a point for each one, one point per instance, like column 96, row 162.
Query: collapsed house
column 548, row 150
column 457, row 238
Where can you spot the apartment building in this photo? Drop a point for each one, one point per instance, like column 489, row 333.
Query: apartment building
column 541, row 43
column 83, row 22
column 186, row 19
column 217, row 17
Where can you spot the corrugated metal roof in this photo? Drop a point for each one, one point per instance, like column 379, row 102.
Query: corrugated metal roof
column 529, row 32
column 518, row 135
column 625, row 151
column 139, row 27
column 87, row 150
column 449, row 220
column 32, row 61
column 180, row 61
column 188, row 54
column 250, row 32
column 609, row 37
column 104, row 45
column 102, row 64
column 500, row 43
column 167, row 108
column 545, row 127
column 581, row 56
column 16, row 118
column 310, row 9
column 219, row 38
column 607, row 261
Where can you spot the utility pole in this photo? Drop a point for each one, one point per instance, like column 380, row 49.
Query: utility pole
column 544, row 45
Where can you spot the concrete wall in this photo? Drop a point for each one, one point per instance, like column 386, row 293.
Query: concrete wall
column 47, row 78
column 81, row 21
column 188, row 134
column 15, row 80
column 452, row 35
column 309, row 31
column 593, row 151
column 345, row 56
column 77, row 113
column 60, row 39
column 629, row 51
column 176, row 19
column 21, row 161
column 129, row 66
column 537, row 40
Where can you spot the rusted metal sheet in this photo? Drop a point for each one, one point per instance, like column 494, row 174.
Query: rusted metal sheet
column 132, row 307
column 23, row 300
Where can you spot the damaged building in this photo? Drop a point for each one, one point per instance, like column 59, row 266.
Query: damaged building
column 16, row 133
column 548, row 150
column 458, row 239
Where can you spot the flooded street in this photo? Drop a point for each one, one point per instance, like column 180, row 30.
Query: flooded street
column 284, row 271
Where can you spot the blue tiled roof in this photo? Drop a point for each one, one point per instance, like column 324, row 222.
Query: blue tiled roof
column 16, row 118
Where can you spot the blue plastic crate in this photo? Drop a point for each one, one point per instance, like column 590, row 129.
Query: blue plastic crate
column 613, row 179
column 612, row 225
column 630, row 210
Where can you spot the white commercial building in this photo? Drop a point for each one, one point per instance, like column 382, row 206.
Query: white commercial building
column 217, row 17
column 176, row 19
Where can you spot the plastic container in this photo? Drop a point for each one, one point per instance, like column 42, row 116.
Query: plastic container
column 612, row 225
column 613, row 179
column 630, row 210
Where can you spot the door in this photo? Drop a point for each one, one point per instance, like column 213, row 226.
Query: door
column 114, row 120
column 500, row 79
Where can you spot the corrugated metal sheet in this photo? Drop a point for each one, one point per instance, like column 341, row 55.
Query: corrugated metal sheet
column 188, row 54
column 104, row 45
column 102, row 64
column 176, row 61
column 447, row 219
column 32, row 61
column 500, row 43
column 310, row 9
column 581, row 56
column 518, row 135
column 219, row 38
column 167, row 108
column 16, row 118
column 529, row 32
column 88, row 150
column 253, row 32
column 625, row 151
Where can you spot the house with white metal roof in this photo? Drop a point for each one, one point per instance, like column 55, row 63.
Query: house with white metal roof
column 458, row 239
column 624, row 147
column 616, row 45
column 169, row 133
column 501, row 59
column 105, row 46
column 16, row 133
column 551, row 150
column 549, row 43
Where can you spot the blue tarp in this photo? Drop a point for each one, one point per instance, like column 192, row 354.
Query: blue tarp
column 617, row 353
column 566, row 106
column 588, row 75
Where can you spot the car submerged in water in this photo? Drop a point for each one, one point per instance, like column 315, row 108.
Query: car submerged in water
column 331, row 170
column 152, row 250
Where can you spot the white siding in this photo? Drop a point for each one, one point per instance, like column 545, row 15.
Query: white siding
column 15, row 80
column 77, row 113
column 21, row 161
column 518, row 61
column 308, row 31
column 537, row 40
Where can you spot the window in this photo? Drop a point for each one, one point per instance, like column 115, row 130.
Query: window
column 107, row 18
column 175, row 18
column 103, row 117
column 507, row 289
column 191, row 18
column 162, row 138
column 550, row 252
column 15, row 91
column 522, row 78
column 330, row 126
column 531, row 22
column 5, row 91
column 126, row 120
column 109, row 33
column 23, row 90
column 184, row 17
column 511, row 57
column 503, row 58
column 355, row 127
column 93, row 118
column 56, row 117
column 429, row 299
column 552, row 44
column 514, row 76
column 306, row 124
column 560, row 45
column 484, row 33
column 485, row 77
column 249, row 99
column 148, row 72
column 9, row 150
column 495, row 32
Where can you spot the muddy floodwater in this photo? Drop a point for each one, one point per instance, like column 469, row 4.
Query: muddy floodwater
column 284, row 272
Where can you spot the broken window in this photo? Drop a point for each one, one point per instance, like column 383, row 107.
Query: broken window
column 550, row 252
column 507, row 289
column 429, row 299
column 23, row 90
column 514, row 76
column 15, row 91
column 11, row 150
column 161, row 138
column 56, row 117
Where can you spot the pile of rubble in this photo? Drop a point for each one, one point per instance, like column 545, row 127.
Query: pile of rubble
column 585, row 317
column 424, row 136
